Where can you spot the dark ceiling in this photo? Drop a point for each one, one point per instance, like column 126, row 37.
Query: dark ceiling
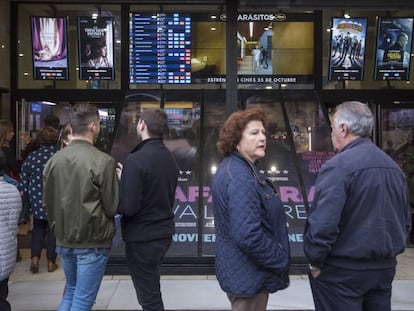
column 285, row 6
column 319, row 4
column 246, row 4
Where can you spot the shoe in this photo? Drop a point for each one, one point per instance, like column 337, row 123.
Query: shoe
column 51, row 266
column 34, row 266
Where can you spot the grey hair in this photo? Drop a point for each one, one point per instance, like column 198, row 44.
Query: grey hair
column 357, row 116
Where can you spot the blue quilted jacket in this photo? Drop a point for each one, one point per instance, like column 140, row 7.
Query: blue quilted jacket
column 252, row 248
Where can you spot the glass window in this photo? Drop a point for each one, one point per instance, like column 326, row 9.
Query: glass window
column 213, row 118
column 183, row 141
column 310, row 131
column 125, row 139
column 298, row 143
column 397, row 140
column 293, row 48
column 280, row 166
column 275, row 50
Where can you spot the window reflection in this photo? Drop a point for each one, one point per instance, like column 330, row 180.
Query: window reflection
column 309, row 126
column 182, row 139
column 302, row 142
column 398, row 141
column 312, row 138
column 213, row 120
column 279, row 165
column 183, row 133
column 126, row 138
column 277, row 138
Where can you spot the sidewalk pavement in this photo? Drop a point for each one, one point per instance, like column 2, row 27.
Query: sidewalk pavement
column 43, row 291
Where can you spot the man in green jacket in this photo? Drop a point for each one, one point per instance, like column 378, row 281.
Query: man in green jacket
column 81, row 197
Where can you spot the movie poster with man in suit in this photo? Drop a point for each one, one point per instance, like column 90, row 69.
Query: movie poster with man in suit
column 394, row 40
column 347, row 53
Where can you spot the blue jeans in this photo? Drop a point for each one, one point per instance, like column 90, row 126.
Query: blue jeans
column 84, row 269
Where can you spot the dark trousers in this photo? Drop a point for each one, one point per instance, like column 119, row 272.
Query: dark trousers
column 343, row 290
column 40, row 229
column 144, row 261
column 4, row 292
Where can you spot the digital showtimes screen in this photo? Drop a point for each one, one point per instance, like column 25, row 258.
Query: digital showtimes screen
column 160, row 48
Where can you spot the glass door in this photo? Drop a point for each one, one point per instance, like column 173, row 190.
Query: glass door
column 29, row 119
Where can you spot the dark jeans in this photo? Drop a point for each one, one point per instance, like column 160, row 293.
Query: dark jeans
column 344, row 290
column 144, row 261
column 40, row 229
column 4, row 292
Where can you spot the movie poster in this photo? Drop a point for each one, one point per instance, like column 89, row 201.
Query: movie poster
column 49, row 47
column 347, row 53
column 394, row 39
column 96, row 53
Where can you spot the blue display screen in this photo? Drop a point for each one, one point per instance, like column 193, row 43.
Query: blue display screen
column 36, row 107
column 160, row 48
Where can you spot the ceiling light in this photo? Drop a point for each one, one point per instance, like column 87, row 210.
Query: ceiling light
column 48, row 103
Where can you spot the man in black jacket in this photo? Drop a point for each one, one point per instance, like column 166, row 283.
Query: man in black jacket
column 358, row 220
column 148, row 182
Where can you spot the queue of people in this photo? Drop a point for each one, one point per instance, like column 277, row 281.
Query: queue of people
column 356, row 226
